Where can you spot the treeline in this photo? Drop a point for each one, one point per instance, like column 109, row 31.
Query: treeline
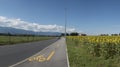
column 62, row 34
column 82, row 34
column 9, row 34
column 73, row 34
column 110, row 34
column 70, row 34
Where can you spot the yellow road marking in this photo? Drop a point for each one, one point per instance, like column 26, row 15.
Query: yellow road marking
column 30, row 59
column 50, row 56
column 39, row 58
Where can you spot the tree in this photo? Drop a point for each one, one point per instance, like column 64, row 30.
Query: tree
column 83, row 34
column 104, row 34
column 63, row 34
column 74, row 34
column 114, row 34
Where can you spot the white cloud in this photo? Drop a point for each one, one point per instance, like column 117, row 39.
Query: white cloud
column 19, row 24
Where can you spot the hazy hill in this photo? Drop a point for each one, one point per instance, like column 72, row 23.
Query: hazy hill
column 21, row 31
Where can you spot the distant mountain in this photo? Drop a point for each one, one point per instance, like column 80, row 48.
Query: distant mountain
column 21, row 31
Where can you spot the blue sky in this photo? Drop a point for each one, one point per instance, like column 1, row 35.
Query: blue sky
column 87, row 16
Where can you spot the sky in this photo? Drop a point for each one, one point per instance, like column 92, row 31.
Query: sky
column 83, row 16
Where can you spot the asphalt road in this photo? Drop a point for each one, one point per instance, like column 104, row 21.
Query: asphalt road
column 10, row 55
column 54, row 55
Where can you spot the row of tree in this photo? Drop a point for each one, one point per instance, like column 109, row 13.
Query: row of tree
column 110, row 35
column 9, row 34
column 62, row 34
column 70, row 34
column 78, row 34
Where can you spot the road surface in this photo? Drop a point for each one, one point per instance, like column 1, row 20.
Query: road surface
column 54, row 55
column 10, row 55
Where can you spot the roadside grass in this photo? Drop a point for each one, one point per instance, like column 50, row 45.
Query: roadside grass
column 79, row 57
column 5, row 40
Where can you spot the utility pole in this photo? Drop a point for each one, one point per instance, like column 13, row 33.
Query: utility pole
column 65, row 21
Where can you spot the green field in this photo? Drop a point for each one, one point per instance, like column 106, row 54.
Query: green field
column 5, row 40
column 80, row 56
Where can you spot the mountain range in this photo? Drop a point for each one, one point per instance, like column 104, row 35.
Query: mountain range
column 6, row 30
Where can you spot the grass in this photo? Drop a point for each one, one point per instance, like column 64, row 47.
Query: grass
column 20, row 39
column 79, row 57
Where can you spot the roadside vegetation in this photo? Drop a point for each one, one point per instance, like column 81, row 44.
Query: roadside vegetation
column 94, row 51
column 7, row 40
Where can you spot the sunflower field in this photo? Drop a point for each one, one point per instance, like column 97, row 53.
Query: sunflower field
column 105, row 47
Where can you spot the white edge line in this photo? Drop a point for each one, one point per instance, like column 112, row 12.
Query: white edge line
column 67, row 56
column 30, row 56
